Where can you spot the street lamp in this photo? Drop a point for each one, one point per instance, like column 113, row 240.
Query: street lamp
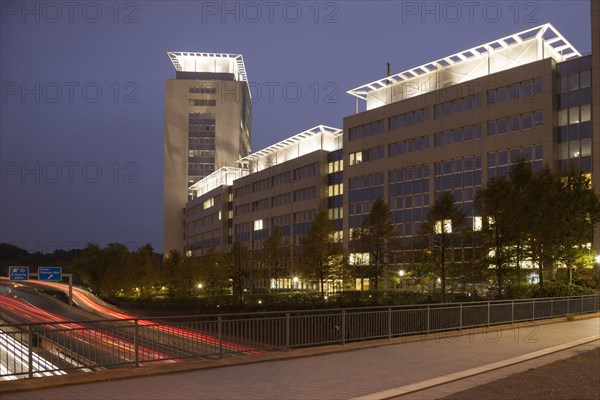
column 401, row 273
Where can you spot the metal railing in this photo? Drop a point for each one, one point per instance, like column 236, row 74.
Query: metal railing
column 42, row 349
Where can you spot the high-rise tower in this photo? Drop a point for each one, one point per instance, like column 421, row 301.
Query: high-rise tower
column 208, row 124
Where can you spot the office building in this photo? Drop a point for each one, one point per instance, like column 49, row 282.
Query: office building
column 208, row 124
column 451, row 124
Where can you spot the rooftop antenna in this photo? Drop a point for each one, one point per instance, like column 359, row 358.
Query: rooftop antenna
column 388, row 81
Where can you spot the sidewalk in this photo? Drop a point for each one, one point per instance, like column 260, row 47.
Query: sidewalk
column 374, row 372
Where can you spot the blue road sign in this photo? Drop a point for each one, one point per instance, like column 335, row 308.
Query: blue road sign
column 50, row 273
column 16, row 273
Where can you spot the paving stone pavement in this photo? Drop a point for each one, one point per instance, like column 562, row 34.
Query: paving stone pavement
column 334, row 376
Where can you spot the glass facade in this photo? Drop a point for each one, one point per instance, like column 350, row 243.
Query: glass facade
column 201, row 145
column 575, row 114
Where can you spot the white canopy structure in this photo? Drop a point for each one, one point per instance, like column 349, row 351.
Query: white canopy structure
column 508, row 52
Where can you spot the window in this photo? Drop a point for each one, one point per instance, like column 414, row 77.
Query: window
column 574, row 81
column 574, row 149
column 586, row 147
column 491, row 97
column 502, row 94
column 586, row 113
column 258, row 224
column 491, row 128
column 573, row 115
column 208, row 203
column 468, row 133
column 477, row 223
column 527, row 88
column 457, row 106
column 513, row 93
column 446, row 138
column 202, row 102
column 502, row 126
column 563, row 117
column 585, row 79
column 447, row 226
column 563, row 151
column 457, row 136
column 538, row 118
column 514, row 123
column 527, row 121
column 537, row 85
column 355, row 158
column 447, row 108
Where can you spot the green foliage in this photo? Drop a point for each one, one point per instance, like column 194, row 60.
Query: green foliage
column 213, row 272
column 238, row 266
column 274, row 255
column 559, row 290
column 375, row 237
column 321, row 258
column 438, row 235
column 518, row 290
column 544, row 218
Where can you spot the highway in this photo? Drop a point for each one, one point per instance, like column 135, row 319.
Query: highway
column 73, row 338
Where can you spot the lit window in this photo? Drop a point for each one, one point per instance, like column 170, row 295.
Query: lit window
column 447, row 227
column 359, row 258
column 208, row 203
column 258, row 225
column 574, row 148
column 563, row 117
column 477, row 223
column 586, row 112
column 574, row 115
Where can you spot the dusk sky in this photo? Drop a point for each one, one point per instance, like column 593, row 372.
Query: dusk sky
column 82, row 109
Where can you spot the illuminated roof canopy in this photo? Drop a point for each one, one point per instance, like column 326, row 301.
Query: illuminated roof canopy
column 209, row 62
column 509, row 52
column 320, row 137
column 221, row 177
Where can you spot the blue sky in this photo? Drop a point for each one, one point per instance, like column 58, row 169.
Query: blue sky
column 81, row 118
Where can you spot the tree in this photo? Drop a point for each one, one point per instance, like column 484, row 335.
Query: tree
column 500, row 226
column 88, row 266
column 544, row 194
column 213, row 272
column 374, row 237
column 238, row 268
column 183, row 274
column 320, row 257
column 115, row 270
column 145, row 269
column 444, row 220
column 580, row 210
column 274, row 254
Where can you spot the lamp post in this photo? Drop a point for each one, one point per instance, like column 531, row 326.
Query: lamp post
column 401, row 273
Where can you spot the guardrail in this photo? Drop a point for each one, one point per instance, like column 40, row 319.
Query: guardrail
column 42, row 349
